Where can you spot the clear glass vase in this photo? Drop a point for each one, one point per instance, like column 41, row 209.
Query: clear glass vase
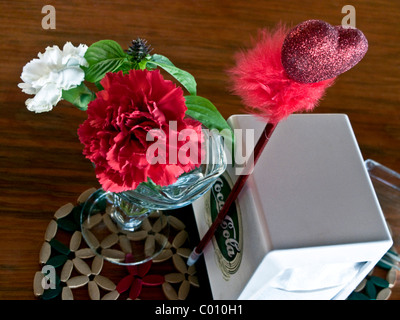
column 135, row 222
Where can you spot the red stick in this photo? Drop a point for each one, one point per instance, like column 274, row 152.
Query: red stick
column 240, row 182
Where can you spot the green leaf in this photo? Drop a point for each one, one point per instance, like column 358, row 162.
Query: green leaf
column 383, row 283
column 99, row 70
column 99, row 86
column 370, row 289
column 59, row 246
column 76, row 215
column 103, row 56
column 357, row 296
column 383, row 265
column 67, row 224
column 57, row 261
column 184, row 77
column 102, row 50
column 52, row 293
column 203, row 110
column 126, row 66
column 142, row 64
column 79, row 96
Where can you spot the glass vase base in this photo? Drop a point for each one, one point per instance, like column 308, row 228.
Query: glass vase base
column 117, row 242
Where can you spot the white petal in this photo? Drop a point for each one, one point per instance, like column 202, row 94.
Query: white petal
column 74, row 56
column 68, row 48
column 76, row 61
column 82, row 48
column 34, row 106
column 54, row 71
column 68, row 78
column 34, row 70
column 27, row 88
column 52, row 56
column 45, row 99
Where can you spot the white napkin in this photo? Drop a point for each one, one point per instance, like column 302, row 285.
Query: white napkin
column 315, row 277
column 311, row 282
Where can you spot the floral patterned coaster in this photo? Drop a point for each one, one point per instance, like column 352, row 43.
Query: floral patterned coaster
column 81, row 274
column 71, row 270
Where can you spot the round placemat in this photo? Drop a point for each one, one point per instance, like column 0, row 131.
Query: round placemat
column 71, row 270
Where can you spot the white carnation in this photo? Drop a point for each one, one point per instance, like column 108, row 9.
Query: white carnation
column 54, row 71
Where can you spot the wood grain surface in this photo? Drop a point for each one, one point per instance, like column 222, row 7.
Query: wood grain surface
column 41, row 162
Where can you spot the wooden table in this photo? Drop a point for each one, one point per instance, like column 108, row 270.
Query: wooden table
column 41, row 162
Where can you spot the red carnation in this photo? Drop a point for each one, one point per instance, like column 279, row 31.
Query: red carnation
column 120, row 120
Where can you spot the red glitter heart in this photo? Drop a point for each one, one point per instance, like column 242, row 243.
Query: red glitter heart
column 314, row 51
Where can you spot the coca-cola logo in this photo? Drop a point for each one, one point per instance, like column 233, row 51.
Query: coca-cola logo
column 228, row 238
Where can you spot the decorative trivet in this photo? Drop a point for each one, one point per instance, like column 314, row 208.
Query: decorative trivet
column 71, row 270
column 78, row 273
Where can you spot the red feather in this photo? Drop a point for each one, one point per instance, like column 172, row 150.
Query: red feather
column 261, row 81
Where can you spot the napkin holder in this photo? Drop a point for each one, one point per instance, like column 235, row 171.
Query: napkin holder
column 307, row 224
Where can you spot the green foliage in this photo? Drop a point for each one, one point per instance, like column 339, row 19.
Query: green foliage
column 104, row 56
column 79, row 96
column 203, row 110
column 184, row 77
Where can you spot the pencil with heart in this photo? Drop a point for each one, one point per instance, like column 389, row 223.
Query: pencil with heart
column 287, row 71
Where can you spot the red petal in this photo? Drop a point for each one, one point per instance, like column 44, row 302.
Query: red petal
column 129, row 258
column 132, row 269
column 153, row 280
column 142, row 269
column 124, row 284
column 135, row 289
